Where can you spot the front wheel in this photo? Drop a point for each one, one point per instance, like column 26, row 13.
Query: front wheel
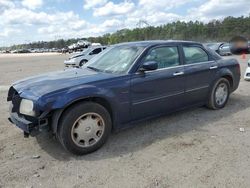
column 219, row 94
column 82, row 63
column 84, row 128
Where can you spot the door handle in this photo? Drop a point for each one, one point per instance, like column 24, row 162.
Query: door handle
column 213, row 67
column 178, row 73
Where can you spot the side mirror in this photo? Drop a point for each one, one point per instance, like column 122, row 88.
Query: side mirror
column 149, row 66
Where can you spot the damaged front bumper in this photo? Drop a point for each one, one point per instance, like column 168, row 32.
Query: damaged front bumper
column 29, row 127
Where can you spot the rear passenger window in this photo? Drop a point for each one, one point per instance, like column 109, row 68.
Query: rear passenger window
column 195, row 55
column 164, row 56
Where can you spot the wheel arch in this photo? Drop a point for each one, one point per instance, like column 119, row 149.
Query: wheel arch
column 230, row 80
column 84, row 60
column 58, row 114
column 227, row 74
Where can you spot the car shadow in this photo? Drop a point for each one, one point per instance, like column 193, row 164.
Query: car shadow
column 146, row 133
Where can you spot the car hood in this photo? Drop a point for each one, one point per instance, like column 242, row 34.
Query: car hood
column 58, row 81
column 76, row 56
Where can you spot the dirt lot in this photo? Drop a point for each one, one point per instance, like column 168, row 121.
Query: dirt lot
column 192, row 148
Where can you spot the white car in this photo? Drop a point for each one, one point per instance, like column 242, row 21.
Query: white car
column 247, row 74
column 80, row 59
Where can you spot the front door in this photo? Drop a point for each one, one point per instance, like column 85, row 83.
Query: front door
column 159, row 91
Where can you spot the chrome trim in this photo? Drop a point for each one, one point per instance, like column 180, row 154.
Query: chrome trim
column 157, row 98
column 179, row 66
column 186, row 65
column 199, row 63
column 198, row 88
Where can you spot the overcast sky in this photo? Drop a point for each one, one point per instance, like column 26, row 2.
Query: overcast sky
column 23, row 21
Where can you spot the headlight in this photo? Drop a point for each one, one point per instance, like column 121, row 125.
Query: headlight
column 27, row 107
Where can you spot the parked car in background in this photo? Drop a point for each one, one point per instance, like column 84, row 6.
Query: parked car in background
column 82, row 44
column 21, row 51
column 247, row 73
column 225, row 49
column 80, row 59
column 5, row 52
column 221, row 48
column 128, row 83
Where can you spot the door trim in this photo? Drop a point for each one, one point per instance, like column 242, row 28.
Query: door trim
column 185, row 65
column 198, row 88
column 158, row 98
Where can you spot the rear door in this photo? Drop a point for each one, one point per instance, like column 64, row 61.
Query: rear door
column 199, row 72
column 159, row 91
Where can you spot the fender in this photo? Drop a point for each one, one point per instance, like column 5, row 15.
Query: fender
column 57, row 103
column 64, row 101
column 222, row 72
column 67, row 97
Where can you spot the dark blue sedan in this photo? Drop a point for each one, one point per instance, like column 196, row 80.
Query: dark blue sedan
column 127, row 83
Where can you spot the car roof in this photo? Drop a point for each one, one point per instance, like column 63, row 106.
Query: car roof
column 156, row 42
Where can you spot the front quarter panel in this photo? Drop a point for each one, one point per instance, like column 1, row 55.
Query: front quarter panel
column 114, row 91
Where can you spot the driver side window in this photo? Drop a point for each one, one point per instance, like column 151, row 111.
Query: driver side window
column 164, row 56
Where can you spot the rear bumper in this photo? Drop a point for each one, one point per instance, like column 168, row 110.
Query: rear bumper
column 29, row 127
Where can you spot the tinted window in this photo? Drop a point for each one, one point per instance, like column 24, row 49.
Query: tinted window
column 164, row 56
column 195, row 55
column 96, row 51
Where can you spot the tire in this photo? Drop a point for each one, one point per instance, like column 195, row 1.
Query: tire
column 82, row 63
column 216, row 102
column 80, row 123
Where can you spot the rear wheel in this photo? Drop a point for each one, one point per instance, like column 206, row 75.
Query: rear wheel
column 84, row 128
column 219, row 95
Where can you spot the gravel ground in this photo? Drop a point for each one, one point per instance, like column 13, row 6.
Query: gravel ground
column 193, row 148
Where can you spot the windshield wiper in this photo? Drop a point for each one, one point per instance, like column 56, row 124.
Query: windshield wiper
column 93, row 68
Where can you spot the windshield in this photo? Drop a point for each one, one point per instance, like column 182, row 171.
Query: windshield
column 86, row 51
column 116, row 59
column 79, row 54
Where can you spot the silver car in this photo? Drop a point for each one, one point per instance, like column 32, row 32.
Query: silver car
column 80, row 59
column 225, row 49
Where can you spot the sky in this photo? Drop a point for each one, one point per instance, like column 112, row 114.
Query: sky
column 24, row 21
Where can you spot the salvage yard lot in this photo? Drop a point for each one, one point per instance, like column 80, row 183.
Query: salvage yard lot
column 192, row 148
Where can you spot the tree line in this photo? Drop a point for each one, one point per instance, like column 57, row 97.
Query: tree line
column 215, row 30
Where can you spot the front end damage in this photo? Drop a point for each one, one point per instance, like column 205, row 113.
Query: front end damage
column 28, row 124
